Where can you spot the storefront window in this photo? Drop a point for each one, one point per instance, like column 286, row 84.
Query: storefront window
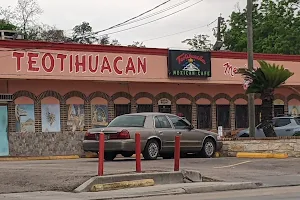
column 241, row 116
column 145, row 108
column 121, row 109
column 186, row 111
column 223, row 116
column 204, row 116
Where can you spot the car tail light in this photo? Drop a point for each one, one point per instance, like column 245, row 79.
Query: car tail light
column 89, row 136
column 124, row 134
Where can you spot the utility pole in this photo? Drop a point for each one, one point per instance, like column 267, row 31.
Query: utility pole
column 251, row 107
column 217, row 46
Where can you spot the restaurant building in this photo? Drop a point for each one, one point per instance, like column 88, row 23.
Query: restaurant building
column 51, row 93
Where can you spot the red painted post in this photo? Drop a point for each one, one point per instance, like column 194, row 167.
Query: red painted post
column 177, row 153
column 101, row 155
column 138, row 153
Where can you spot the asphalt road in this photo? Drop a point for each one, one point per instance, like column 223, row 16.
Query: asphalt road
column 286, row 193
column 66, row 175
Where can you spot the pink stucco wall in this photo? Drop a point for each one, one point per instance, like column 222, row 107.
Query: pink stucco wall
column 88, row 87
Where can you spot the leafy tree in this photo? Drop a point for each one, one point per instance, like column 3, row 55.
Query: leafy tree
column 46, row 33
column 105, row 40
column 23, row 15
column 83, row 34
column 263, row 81
column 5, row 25
column 199, row 42
column 276, row 27
column 137, row 44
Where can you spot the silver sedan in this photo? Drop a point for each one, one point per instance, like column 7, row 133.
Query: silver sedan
column 157, row 130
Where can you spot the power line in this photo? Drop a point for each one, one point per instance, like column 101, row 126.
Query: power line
column 159, row 12
column 117, row 25
column 153, row 20
column 207, row 25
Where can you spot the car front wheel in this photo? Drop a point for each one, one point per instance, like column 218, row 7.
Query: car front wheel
column 109, row 156
column 209, row 148
column 151, row 150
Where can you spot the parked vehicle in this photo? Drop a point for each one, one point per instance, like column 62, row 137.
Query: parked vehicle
column 283, row 126
column 158, row 131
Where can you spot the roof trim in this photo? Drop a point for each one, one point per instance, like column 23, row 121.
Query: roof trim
column 23, row 44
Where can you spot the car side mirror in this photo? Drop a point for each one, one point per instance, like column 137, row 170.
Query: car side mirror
column 191, row 127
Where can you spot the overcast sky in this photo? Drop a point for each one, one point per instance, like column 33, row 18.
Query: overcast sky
column 101, row 14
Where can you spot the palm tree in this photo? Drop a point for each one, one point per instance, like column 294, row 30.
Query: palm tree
column 263, row 81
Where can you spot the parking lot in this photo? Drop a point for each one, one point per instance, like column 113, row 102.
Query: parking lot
column 65, row 175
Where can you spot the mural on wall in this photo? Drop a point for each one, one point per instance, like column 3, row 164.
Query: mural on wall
column 99, row 115
column 25, row 120
column 294, row 110
column 50, row 118
column 75, row 117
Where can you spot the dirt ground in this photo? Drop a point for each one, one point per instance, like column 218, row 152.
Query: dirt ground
column 65, row 175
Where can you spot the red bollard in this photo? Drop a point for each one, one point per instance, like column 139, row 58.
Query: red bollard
column 138, row 153
column 101, row 155
column 177, row 153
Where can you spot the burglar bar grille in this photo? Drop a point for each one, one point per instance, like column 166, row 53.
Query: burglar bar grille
column 6, row 97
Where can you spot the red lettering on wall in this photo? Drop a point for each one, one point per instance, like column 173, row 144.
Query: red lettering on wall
column 18, row 56
column 62, row 58
column 71, row 64
column 105, row 65
column 229, row 69
column 93, row 70
column 80, row 64
column 32, row 62
column 50, row 68
column 142, row 65
column 117, row 70
column 130, row 66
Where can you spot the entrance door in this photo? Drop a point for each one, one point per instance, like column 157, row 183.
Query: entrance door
column 4, row 150
column 164, row 109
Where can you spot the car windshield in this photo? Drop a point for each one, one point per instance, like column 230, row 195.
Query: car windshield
column 128, row 121
column 297, row 119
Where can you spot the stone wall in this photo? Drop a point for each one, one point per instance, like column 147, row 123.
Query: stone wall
column 289, row 145
column 45, row 144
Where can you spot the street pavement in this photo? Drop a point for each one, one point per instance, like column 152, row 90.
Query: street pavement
column 66, row 175
column 286, row 193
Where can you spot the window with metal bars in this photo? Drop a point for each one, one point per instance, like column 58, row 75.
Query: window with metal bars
column 223, row 115
column 241, row 116
column 121, row 109
column 144, row 108
column 204, row 116
column 186, row 110
column 164, row 108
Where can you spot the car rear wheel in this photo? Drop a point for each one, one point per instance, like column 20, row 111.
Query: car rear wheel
column 151, row 150
column 109, row 156
column 209, row 148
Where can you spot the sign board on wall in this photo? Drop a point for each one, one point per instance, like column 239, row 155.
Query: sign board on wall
column 164, row 102
column 189, row 63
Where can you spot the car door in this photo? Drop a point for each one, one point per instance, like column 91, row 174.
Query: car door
column 190, row 138
column 282, row 127
column 165, row 132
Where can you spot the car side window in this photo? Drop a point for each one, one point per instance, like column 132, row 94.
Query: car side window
column 161, row 121
column 178, row 122
column 282, row 122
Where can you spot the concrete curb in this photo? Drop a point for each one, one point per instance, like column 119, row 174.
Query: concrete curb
column 39, row 158
column 185, row 176
column 261, row 155
column 175, row 189
column 122, row 185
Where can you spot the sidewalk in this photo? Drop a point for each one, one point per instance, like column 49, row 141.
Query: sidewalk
column 159, row 190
